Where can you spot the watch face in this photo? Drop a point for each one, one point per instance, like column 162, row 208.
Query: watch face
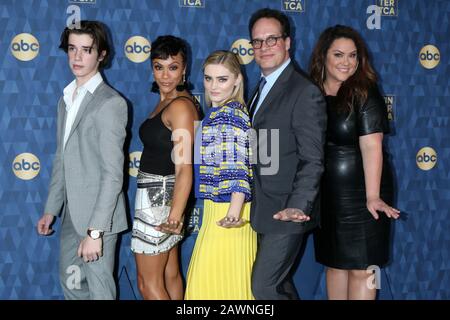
column 95, row 234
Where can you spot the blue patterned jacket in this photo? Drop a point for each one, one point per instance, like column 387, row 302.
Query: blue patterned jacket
column 224, row 164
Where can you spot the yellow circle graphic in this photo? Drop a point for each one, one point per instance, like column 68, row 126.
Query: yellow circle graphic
column 24, row 47
column 429, row 56
column 426, row 158
column 26, row 166
column 134, row 161
column 137, row 49
column 244, row 49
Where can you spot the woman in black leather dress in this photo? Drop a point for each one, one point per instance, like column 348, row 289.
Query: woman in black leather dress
column 355, row 226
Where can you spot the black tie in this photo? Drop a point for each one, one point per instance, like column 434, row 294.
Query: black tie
column 262, row 83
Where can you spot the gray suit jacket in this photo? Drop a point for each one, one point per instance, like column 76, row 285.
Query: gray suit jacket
column 296, row 108
column 88, row 173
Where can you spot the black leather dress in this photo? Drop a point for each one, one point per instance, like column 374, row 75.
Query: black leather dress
column 349, row 237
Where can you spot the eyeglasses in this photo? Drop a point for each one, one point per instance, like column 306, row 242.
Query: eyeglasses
column 270, row 42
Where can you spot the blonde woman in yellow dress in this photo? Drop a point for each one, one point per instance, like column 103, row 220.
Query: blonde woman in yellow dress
column 223, row 256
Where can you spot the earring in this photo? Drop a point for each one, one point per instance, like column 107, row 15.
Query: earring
column 323, row 73
column 182, row 86
column 155, row 87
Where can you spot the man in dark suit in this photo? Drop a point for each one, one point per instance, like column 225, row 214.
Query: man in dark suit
column 289, row 115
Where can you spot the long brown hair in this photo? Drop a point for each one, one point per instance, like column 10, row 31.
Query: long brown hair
column 354, row 89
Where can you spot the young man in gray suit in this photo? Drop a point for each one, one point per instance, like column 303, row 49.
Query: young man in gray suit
column 289, row 116
column 87, row 176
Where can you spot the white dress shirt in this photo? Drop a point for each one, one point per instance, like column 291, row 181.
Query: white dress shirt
column 73, row 100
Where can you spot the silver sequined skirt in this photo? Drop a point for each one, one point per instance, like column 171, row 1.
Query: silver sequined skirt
column 152, row 207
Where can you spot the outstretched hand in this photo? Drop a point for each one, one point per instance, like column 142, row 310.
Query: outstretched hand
column 171, row 226
column 231, row 222
column 377, row 204
column 292, row 215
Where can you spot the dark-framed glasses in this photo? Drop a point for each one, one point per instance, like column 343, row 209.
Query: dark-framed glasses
column 270, row 42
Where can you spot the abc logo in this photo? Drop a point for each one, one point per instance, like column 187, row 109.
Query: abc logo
column 135, row 158
column 26, row 166
column 429, row 56
column 24, row 47
column 244, row 50
column 137, row 49
column 426, row 158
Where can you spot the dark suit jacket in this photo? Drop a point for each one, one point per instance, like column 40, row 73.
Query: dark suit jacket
column 296, row 107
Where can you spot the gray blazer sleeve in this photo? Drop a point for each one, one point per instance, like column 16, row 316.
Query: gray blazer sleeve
column 309, row 124
column 110, row 120
column 55, row 199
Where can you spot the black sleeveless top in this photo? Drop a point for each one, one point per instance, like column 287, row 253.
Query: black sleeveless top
column 158, row 145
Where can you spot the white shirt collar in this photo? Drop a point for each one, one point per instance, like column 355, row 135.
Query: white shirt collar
column 90, row 85
column 69, row 90
column 93, row 82
column 271, row 78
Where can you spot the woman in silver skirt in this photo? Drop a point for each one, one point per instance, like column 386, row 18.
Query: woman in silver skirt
column 152, row 206
column 164, row 181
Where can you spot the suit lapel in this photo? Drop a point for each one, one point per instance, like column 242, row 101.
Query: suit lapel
column 86, row 100
column 62, row 122
column 275, row 91
column 249, row 103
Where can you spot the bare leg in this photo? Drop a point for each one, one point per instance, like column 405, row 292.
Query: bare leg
column 150, row 270
column 358, row 285
column 337, row 284
column 172, row 276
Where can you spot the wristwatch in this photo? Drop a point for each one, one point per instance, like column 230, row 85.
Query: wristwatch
column 95, row 234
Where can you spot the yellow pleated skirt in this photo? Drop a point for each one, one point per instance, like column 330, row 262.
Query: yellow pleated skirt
column 222, row 260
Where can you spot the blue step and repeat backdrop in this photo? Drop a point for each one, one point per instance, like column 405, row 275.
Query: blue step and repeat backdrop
column 409, row 43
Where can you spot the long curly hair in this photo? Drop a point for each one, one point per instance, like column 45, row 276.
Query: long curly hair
column 355, row 89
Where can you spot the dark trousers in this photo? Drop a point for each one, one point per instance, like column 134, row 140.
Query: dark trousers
column 276, row 254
